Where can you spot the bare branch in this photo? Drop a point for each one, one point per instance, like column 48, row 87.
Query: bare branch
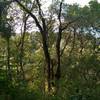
column 41, row 15
column 31, row 14
column 67, row 40
column 70, row 23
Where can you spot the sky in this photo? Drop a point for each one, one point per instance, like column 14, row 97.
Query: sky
column 80, row 2
column 46, row 3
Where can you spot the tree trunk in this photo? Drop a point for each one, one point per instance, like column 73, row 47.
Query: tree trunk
column 8, row 60
column 58, row 72
column 47, row 58
column 22, row 49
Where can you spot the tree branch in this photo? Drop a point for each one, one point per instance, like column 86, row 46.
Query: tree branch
column 41, row 16
column 67, row 39
column 31, row 14
column 70, row 23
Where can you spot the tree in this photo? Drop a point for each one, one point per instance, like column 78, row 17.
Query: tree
column 6, row 32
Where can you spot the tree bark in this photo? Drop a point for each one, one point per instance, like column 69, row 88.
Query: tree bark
column 22, row 48
column 58, row 72
column 8, row 60
column 47, row 59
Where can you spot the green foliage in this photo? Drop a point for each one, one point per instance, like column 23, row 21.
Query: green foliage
column 80, row 61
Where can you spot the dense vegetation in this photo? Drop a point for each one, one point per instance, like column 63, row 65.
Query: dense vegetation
column 55, row 55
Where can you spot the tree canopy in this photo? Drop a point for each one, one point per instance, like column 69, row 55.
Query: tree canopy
column 55, row 55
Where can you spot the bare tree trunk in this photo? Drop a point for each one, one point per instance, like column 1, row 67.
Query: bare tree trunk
column 22, row 48
column 73, row 42
column 48, row 60
column 58, row 72
column 8, row 60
